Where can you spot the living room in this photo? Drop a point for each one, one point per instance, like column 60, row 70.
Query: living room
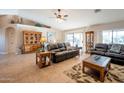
column 64, row 39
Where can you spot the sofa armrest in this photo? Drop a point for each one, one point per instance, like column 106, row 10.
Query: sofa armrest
column 71, row 48
column 92, row 49
column 53, row 53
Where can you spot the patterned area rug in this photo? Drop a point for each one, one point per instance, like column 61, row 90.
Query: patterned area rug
column 115, row 74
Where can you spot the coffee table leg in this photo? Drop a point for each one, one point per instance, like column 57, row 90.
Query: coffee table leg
column 109, row 66
column 102, row 75
column 36, row 59
column 83, row 68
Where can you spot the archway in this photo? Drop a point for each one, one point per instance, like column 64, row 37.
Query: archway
column 10, row 40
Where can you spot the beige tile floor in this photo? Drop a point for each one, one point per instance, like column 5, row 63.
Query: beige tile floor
column 22, row 68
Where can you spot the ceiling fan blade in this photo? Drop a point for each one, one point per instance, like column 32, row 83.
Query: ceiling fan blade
column 59, row 10
column 65, row 15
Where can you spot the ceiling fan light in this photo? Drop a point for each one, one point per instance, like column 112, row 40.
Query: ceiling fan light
column 59, row 20
column 59, row 16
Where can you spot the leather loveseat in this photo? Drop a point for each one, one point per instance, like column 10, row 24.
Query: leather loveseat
column 62, row 51
column 117, row 56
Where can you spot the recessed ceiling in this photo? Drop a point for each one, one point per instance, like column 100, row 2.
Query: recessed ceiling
column 77, row 17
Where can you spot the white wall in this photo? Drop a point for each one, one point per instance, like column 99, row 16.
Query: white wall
column 3, row 21
column 2, row 42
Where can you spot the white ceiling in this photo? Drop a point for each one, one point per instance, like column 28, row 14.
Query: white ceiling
column 77, row 17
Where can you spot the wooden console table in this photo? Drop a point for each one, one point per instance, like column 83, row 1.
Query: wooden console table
column 43, row 59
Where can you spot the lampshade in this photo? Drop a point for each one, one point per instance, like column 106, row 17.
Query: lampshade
column 43, row 39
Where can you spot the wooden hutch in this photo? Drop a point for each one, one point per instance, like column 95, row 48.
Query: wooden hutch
column 89, row 40
column 31, row 41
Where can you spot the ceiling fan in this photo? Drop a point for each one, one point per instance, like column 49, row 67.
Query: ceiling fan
column 59, row 16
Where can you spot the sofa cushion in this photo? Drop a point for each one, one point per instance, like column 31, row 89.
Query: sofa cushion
column 99, row 49
column 101, row 46
column 114, row 55
column 115, row 48
column 60, row 45
column 60, row 53
column 56, row 50
column 98, row 52
column 62, row 49
column 52, row 46
column 122, row 48
column 122, row 53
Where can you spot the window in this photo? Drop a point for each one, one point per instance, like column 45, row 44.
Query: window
column 107, row 36
column 118, row 37
column 69, row 38
column 78, row 39
column 75, row 39
column 113, row 36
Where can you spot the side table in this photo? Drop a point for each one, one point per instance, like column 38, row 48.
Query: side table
column 43, row 59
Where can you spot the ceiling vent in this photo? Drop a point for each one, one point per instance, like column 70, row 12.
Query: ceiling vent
column 97, row 10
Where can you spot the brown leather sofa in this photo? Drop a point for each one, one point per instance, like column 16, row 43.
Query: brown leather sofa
column 62, row 51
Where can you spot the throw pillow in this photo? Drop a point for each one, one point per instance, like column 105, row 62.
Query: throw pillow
column 122, row 53
column 115, row 48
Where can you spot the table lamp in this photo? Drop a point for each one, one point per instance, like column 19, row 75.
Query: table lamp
column 43, row 40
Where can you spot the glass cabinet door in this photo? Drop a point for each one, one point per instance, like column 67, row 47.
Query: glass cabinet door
column 89, row 40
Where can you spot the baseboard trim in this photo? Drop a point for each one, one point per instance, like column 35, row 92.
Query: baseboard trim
column 3, row 53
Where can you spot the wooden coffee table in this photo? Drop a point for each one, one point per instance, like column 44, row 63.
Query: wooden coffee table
column 99, row 63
